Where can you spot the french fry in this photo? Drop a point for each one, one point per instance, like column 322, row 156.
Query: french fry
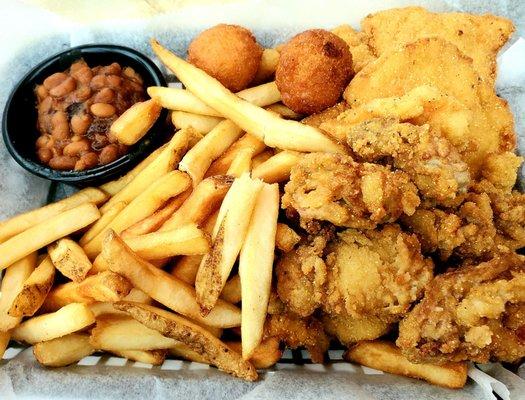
column 153, row 357
column 256, row 266
column 232, row 290
column 46, row 232
column 267, row 67
column 277, row 168
column 385, row 356
column 185, row 269
column 164, row 288
column 227, row 238
column 186, row 240
column 64, row 350
column 194, row 336
column 241, row 164
column 145, row 204
column 200, row 123
column 158, row 218
column 69, row 258
column 262, row 157
column 177, row 99
column 135, row 122
column 283, row 111
column 286, row 238
column 181, row 350
column 5, row 337
column 15, row 225
column 12, row 285
column 204, row 199
column 35, row 289
column 106, row 307
column 102, row 222
column 104, row 286
column 115, row 186
column 197, row 161
column 265, row 355
column 166, row 161
column 68, row 319
column 271, row 129
column 221, row 165
column 114, row 332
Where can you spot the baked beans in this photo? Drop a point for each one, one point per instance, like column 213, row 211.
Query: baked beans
column 75, row 111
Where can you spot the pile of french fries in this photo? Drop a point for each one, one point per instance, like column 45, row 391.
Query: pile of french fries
column 147, row 263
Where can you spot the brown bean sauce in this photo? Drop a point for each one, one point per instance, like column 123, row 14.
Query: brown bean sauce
column 75, row 111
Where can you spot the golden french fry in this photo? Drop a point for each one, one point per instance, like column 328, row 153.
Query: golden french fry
column 385, row 356
column 104, row 286
column 153, row 357
column 106, row 307
column 256, row 267
column 197, row 161
column 262, row 95
column 115, row 186
column 135, row 122
column 102, row 222
column 35, row 289
column 12, row 285
column 68, row 319
column 142, row 206
column 69, row 258
column 221, row 165
column 227, row 238
column 164, row 288
column 262, row 157
column 241, row 164
column 186, row 267
column 166, row 161
column 194, row 336
column 286, row 238
column 267, row 67
column 5, row 337
column 271, row 129
column 232, row 290
column 20, row 223
column 277, row 168
column 64, row 350
column 283, row 111
column 181, row 350
column 178, row 99
column 265, row 355
column 186, row 240
column 158, row 218
column 114, row 332
column 46, row 232
column 200, row 123
column 204, row 199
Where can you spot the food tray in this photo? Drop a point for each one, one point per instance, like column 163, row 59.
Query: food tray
column 295, row 376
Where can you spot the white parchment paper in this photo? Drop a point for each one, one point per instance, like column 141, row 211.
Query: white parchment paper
column 30, row 34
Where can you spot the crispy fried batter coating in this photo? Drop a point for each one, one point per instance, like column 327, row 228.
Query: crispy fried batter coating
column 334, row 188
column 349, row 330
column 229, row 53
column 469, row 314
column 358, row 44
column 478, row 36
column 313, row 70
column 502, row 170
column 301, row 275
column 375, row 273
column 299, row 332
column 438, row 63
column 429, row 159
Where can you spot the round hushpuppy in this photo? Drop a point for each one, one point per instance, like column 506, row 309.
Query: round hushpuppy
column 229, row 53
column 313, row 70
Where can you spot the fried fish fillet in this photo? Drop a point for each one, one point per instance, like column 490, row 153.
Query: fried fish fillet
column 480, row 37
column 375, row 273
column 423, row 154
column 358, row 44
column 438, row 63
column 336, row 189
column 473, row 313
